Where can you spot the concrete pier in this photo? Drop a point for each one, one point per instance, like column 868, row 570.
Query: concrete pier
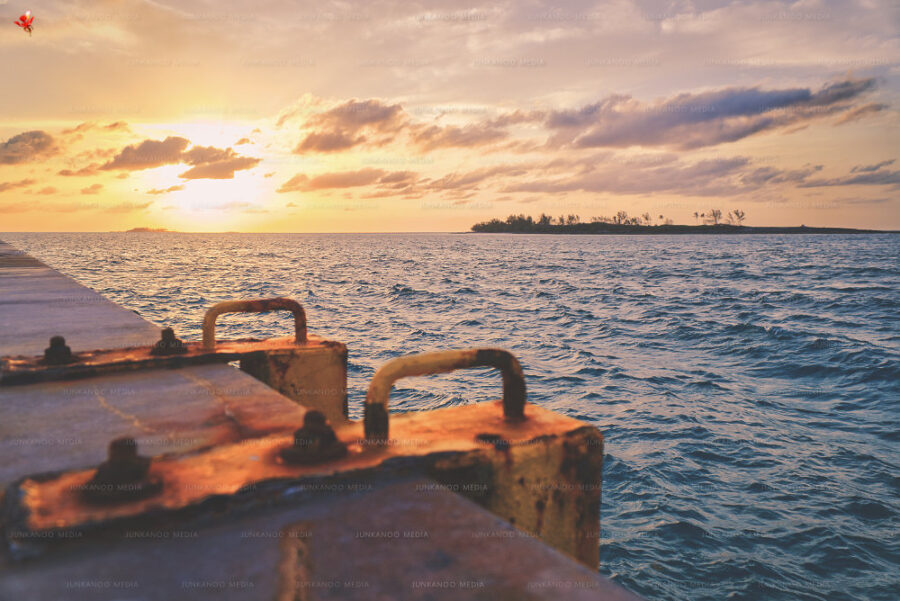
column 67, row 425
column 378, row 524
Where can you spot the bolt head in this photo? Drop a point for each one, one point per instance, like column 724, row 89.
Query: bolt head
column 314, row 418
column 123, row 449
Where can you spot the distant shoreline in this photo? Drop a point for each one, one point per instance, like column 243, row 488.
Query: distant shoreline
column 621, row 228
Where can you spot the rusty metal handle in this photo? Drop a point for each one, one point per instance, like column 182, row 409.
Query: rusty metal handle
column 375, row 420
column 262, row 305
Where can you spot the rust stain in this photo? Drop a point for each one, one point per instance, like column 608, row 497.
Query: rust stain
column 224, row 470
column 27, row 370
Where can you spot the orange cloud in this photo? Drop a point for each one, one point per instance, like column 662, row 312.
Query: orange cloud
column 4, row 186
column 343, row 179
column 149, row 154
column 166, row 190
column 27, row 146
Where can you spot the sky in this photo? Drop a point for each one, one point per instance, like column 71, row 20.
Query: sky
column 432, row 116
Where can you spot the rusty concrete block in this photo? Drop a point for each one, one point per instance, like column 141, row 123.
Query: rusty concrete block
column 314, row 377
column 559, row 453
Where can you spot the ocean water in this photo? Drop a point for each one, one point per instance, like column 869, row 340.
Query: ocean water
column 748, row 386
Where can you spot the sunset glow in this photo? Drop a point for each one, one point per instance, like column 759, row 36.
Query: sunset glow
column 430, row 117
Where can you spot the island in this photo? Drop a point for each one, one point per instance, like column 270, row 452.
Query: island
column 622, row 223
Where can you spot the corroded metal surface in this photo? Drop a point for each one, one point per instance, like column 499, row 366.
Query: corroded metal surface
column 68, row 425
column 262, row 305
column 87, row 364
column 444, row 443
column 376, row 416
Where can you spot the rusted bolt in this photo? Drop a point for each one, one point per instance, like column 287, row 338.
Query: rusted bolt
column 315, row 442
column 168, row 344
column 58, row 352
column 124, row 476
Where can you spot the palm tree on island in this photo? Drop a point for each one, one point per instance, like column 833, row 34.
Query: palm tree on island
column 622, row 223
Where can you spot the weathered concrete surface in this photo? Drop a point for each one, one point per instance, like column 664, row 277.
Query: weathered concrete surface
column 401, row 540
column 37, row 302
column 67, row 425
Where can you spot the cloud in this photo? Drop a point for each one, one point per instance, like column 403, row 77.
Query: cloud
column 199, row 155
column 352, row 123
column 149, row 154
column 242, row 141
column 4, row 186
column 869, row 168
column 375, row 123
column 328, row 142
column 208, row 162
column 394, row 182
column 92, row 169
column 89, row 125
column 860, row 112
column 222, row 168
column 47, row 191
column 865, row 201
column 27, row 146
column 875, row 178
column 166, row 190
column 649, row 174
column 127, row 207
column 92, row 189
column 355, row 115
column 695, row 120
column 771, row 175
column 399, row 179
column 684, row 121
column 74, row 134
column 435, row 136
column 471, row 179
column 343, row 179
column 81, row 127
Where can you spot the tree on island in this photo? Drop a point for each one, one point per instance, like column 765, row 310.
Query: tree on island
column 621, row 222
column 736, row 217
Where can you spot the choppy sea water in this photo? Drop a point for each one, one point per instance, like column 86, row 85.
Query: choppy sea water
column 748, row 386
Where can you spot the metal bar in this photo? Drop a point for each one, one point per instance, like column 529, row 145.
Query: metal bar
column 376, row 410
column 262, row 305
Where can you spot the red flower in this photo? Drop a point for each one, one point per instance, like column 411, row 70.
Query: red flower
column 25, row 21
